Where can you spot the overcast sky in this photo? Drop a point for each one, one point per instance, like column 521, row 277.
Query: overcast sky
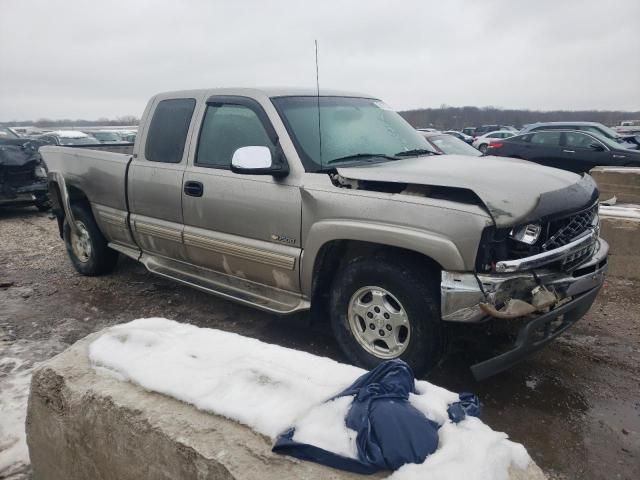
column 98, row 58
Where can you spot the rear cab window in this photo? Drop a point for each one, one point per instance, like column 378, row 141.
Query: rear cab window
column 168, row 130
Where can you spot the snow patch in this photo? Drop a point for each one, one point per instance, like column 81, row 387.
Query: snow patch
column 69, row 134
column 620, row 210
column 271, row 388
column 17, row 362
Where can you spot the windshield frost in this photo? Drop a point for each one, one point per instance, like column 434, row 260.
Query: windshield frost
column 350, row 126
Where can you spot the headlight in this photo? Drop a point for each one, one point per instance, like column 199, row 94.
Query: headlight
column 526, row 233
column 40, row 172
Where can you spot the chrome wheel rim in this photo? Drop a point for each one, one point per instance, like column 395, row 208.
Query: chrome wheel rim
column 379, row 322
column 81, row 243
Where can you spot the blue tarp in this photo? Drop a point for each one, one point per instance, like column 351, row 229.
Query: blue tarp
column 390, row 431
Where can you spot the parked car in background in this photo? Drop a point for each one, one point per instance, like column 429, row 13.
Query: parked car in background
column 462, row 136
column 573, row 150
column 427, row 129
column 625, row 141
column 469, row 131
column 6, row 132
column 67, row 137
column 384, row 241
column 105, row 136
column 481, row 143
column 23, row 176
column 450, row 145
column 484, row 129
column 128, row 136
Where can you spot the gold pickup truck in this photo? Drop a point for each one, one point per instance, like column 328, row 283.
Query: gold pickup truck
column 287, row 200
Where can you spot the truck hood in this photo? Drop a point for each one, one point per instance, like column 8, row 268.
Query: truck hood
column 513, row 191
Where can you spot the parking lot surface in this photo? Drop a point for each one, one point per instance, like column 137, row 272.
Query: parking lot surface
column 575, row 405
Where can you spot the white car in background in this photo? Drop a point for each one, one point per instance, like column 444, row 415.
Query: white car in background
column 67, row 137
column 481, row 143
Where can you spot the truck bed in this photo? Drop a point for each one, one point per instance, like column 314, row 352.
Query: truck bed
column 95, row 169
column 108, row 147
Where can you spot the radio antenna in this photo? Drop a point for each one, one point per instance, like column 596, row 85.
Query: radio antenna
column 318, row 103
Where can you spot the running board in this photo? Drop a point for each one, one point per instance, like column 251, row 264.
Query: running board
column 125, row 250
column 231, row 288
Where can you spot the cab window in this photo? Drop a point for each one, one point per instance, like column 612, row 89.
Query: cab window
column 168, row 130
column 225, row 129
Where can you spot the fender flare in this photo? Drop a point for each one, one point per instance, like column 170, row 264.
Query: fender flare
column 433, row 245
column 57, row 178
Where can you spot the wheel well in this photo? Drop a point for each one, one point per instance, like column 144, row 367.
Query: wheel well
column 76, row 196
column 336, row 254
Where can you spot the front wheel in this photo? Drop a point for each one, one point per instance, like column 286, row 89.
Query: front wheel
column 383, row 309
column 483, row 148
column 87, row 248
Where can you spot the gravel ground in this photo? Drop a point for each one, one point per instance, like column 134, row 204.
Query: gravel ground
column 575, row 405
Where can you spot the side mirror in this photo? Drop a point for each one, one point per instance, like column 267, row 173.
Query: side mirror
column 596, row 147
column 256, row 160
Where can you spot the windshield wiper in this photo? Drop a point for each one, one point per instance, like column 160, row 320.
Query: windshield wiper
column 358, row 156
column 416, row 151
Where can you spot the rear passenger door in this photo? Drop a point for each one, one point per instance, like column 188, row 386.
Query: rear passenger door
column 244, row 226
column 155, row 179
column 545, row 148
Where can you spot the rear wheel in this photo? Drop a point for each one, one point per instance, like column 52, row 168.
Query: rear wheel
column 383, row 309
column 87, row 248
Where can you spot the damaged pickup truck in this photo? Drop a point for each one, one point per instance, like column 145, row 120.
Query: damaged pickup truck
column 23, row 176
column 287, row 201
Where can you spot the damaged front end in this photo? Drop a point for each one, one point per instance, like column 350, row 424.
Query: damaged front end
column 550, row 281
column 23, row 175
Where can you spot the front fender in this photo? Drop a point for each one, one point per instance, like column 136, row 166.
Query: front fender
column 435, row 246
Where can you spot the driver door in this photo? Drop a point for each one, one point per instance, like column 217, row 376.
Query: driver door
column 244, row 226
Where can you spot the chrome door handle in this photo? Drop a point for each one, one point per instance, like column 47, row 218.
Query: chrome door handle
column 619, row 156
column 569, row 151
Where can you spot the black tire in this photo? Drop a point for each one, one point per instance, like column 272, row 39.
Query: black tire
column 99, row 259
column 483, row 148
column 415, row 289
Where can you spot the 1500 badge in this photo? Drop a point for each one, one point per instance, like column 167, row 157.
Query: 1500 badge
column 283, row 239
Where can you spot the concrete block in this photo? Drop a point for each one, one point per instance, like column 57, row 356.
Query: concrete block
column 623, row 236
column 621, row 182
column 83, row 425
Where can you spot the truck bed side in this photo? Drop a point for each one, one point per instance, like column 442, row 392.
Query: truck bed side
column 100, row 178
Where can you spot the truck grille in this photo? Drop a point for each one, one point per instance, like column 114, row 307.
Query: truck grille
column 569, row 228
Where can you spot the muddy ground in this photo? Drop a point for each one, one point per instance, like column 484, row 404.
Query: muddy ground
column 575, row 405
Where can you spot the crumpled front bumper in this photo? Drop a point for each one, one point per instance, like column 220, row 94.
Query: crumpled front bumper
column 23, row 195
column 463, row 293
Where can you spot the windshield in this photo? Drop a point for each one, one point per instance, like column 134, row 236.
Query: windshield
column 6, row 133
column 353, row 130
column 106, row 136
column 602, row 129
column 451, row 145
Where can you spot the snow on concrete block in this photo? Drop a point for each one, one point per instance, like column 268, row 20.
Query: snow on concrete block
column 84, row 423
column 620, row 182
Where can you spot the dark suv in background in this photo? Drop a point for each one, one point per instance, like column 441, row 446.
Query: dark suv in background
column 573, row 150
column 625, row 141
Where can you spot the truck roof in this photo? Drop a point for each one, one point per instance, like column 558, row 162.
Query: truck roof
column 270, row 92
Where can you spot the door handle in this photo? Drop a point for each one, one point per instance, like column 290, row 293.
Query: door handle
column 619, row 156
column 193, row 189
column 569, row 151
